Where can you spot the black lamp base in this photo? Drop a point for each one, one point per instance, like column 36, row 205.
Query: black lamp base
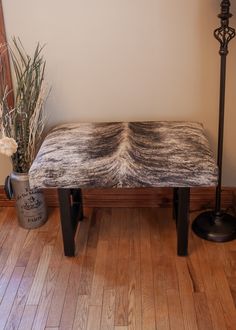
column 216, row 228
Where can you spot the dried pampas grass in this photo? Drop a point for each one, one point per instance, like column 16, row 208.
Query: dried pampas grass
column 25, row 122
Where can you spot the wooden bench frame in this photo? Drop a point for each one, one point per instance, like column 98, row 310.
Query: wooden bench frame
column 71, row 212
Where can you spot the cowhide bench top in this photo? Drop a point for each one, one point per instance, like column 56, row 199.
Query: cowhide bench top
column 125, row 154
column 135, row 154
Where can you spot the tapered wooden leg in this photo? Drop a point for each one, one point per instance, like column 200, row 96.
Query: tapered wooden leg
column 183, row 221
column 70, row 210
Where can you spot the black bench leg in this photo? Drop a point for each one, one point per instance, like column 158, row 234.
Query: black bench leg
column 183, row 221
column 175, row 204
column 78, row 203
column 71, row 211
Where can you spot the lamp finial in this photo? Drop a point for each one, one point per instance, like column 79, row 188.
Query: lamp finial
column 224, row 33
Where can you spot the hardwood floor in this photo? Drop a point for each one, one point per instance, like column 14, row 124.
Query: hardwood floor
column 126, row 275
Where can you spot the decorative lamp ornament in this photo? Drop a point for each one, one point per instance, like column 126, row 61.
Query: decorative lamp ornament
column 217, row 225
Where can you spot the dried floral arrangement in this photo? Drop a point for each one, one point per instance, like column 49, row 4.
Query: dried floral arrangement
column 21, row 126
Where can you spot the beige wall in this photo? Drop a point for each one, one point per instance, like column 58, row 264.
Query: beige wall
column 130, row 60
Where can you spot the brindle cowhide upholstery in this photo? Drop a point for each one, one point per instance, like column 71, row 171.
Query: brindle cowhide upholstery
column 125, row 154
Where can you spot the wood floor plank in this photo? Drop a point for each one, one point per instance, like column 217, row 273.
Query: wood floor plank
column 7, row 221
column 58, row 298
column 82, row 234
column 167, row 231
column 194, row 266
column 49, row 284
column 202, row 311
column 41, row 314
column 164, row 270
column 53, row 224
column 104, row 216
column 76, row 283
column 108, row 310
column 35, row 255
column 81, row 314
column 94, row 318
column 3, row 214
column 11, row 261
column 112, row 255
column 7, row 239
column 42, row 311
column 217, row 261
column 19, row 303
column 232, row 286
column 72, row 294
column 134, row 293
column 215, row 254
column 27, row 317
column 229, row 261
column 89, row 259
column 26, row 283
column 134, row 300
column 27, row 248
column 9, row 296
column 147, row 281
column 121, row 300
column 175, row 310
column 37, row 286
column 226, row 299
column 210, row 288
column 186, row 294
column 96, row 295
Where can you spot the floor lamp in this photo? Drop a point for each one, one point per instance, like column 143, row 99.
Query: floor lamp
column 216, row 225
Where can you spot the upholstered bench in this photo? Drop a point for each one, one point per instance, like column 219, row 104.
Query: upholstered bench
column 134, row 154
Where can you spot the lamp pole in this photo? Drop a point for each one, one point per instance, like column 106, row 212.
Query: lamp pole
column 216, row 225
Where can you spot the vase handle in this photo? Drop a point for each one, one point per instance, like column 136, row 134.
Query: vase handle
column 8, row 187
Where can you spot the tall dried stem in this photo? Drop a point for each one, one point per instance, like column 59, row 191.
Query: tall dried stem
column 25, row 122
